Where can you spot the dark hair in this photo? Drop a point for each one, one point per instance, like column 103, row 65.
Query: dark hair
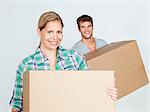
column 47, row 17
column 84, row 18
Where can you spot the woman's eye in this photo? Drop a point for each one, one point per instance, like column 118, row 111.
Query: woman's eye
column 50, row 32
column 59, row 31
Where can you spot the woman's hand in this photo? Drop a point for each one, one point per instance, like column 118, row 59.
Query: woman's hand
column 112, row 92
column 14, row 110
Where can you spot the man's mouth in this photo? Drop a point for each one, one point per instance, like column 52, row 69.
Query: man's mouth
column 87, row 34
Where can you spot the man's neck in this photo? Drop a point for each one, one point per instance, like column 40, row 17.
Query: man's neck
column 88, row 42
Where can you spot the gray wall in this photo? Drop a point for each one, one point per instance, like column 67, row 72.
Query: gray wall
column 114, row 20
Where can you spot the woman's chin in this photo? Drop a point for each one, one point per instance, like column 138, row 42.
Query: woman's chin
column 53, row 47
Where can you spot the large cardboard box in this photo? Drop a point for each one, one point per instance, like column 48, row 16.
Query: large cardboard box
column 67, row 91
column 125, row 60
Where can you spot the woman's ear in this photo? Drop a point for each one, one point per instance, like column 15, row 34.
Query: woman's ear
column 39, row 32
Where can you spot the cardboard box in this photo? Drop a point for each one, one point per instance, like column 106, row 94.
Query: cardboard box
column 125, row 60
column 67, row 91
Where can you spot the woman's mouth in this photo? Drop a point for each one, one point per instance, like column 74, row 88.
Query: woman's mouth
column 54, row 42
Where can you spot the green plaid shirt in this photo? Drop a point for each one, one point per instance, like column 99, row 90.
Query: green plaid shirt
column 66, row 60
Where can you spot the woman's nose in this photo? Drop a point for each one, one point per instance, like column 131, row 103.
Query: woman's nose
column 54, row 36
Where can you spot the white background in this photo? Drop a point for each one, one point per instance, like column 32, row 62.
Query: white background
column 114, row 20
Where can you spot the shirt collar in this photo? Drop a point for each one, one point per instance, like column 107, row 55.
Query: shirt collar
column 61, row 54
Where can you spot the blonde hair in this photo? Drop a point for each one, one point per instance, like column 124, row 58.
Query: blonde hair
column 47, row 17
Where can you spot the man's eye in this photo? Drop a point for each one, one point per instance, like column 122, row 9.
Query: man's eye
column 90, row 26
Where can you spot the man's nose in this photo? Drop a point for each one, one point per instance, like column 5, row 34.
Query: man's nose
column 86, row 29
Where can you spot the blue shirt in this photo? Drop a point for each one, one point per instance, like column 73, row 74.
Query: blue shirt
column 82, row 49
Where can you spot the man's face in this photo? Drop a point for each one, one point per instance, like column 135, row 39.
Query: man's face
column 51, row 35
column 86, row 29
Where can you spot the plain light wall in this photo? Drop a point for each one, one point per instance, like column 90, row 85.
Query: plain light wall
column 114, row 20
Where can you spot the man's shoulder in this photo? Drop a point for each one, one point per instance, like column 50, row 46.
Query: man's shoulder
column 77, row 45
column 100, row 40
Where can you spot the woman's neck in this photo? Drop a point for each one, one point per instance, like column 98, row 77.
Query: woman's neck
column 51, row 55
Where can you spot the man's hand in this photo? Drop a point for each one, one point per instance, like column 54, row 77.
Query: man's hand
column 14, row 110
column 112, row 92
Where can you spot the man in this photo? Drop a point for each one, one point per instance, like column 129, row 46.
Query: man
column 88, row 43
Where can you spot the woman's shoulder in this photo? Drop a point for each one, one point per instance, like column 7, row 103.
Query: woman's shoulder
column 26, row 61
column 71, row 52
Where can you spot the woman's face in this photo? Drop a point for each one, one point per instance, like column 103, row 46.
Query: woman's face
column 51, row 35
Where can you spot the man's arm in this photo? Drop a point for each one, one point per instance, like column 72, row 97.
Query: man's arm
column 112, row 92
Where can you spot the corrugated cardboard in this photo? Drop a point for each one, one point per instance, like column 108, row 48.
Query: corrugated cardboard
column 125, row 60
column 67, row 91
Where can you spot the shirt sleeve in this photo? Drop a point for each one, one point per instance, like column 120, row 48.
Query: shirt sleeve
column 17, row 96
column 81, row 61
column 83, row 65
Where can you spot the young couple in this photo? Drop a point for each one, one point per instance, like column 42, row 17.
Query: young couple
column 51, row 56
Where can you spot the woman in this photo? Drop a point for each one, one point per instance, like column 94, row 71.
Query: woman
column 48, row 56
